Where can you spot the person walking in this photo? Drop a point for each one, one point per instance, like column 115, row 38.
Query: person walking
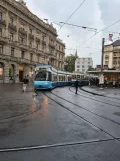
column 76, row 85
column 25, row 83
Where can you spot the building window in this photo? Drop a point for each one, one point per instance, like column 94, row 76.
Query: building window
column 38, row 58
column 22, row 26
column 42, row 47
column 22, row 54
column 83, row 66
column 77, row 70
column 11, row 36
column 30, row 31
column 31, row 57
column 21, row 40
column 78, row 66
column 12, row 21
column 37, row 46
column 43, row 38
column 0, row 31
column 1, row 15
column 12, row 52
column 88, row 62
column 30, row 43
column 37, row 34
column 83, row 70
column 1, row 49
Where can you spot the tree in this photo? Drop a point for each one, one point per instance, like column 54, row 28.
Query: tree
column 91, row 69
column 70, row 62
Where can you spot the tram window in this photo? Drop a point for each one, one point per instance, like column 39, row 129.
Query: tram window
column 41, row 76
column 49, row 76
column 54, row 77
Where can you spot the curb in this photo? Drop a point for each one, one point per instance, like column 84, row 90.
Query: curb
column 93, row 93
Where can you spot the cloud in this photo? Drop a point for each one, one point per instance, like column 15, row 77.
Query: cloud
column 96, row 14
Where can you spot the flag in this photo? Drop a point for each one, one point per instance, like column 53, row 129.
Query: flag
column 110, row 37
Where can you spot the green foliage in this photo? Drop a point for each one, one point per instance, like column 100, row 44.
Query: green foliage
column 70, row 62
column 91, row 69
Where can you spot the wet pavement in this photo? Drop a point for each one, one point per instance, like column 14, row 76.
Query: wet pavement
column 58, row 125
column 110, row 91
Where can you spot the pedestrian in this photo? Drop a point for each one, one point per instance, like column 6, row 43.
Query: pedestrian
column 119, row 83
column 76, row 85
column 25, row 83
column 114, row 84
column 106, row 83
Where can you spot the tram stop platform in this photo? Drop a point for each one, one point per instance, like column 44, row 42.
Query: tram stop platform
column 110, row 91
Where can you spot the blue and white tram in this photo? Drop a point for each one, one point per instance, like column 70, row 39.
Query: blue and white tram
column 48, row 77
column 78, row 76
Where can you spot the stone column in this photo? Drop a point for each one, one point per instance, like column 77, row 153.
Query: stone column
column 17, row 32
column 6, row 73
column 7, row 23
column 17, row 73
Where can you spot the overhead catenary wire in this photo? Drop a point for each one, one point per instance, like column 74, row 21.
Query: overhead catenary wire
column 72, row 14
column 99, row 32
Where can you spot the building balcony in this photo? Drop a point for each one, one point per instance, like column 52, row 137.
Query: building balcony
column 52, row 45
column 31, row 36
column 15, row 59
column 2, row 22
column 23, row 46
column 44, row 42
column 37, row 39
column 3, row 39
column 22, row 31
column 116, row 48
column 13, row 27
column 39, row 51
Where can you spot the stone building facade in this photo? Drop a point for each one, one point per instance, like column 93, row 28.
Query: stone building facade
column 25, row 41
column 112, row 55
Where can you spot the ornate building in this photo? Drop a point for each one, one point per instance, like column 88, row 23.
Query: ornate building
column 25, row 40
column 112, row 55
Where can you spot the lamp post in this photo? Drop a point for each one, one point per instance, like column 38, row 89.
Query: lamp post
column 101, row 76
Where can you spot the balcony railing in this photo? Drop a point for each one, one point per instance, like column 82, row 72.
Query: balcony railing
column 37, row 39
column 44, row 42
column 24, row 46
column 15, row 59
column 3, row 39
column 22, row 31
column 52, row 45
column 13, row 27
column 2, row 22
column 31, row 36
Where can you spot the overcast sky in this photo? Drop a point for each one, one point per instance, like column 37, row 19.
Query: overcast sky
column 93, row 13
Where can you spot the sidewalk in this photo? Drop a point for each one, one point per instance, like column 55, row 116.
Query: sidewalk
column 112, row 92
column 14, row 102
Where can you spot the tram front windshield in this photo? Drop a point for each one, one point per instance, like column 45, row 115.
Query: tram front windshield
column 43, row 76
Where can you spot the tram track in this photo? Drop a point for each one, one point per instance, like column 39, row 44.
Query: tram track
column 101, row 116
column 21, row 115
column 107, row 103
column 79, row 116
